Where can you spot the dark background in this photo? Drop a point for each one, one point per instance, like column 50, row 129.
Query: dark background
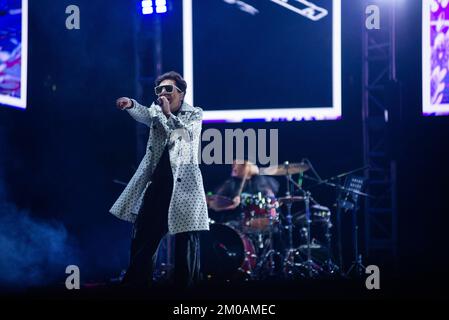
column 59, row 157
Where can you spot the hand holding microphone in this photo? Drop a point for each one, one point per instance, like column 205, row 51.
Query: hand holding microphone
column 164, row 104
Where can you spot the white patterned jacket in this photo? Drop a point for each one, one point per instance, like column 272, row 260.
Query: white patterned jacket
column 188, row 208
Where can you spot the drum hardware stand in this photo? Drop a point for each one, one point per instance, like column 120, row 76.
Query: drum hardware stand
column 309, row 264
column 329, row 265
column 339, row 238
column 357, row 264
column 352, row 188
column 343, row 204
column 289, row 208
column 289, row 259
column 270, row 252
column 309, row 261
column 307, row 198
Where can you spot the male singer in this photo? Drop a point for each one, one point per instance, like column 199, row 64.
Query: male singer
column 166, row 192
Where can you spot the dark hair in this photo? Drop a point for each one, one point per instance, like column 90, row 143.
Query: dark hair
column 176, row 77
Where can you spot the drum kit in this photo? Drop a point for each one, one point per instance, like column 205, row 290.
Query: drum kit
column 269, row 240
column 284, row 238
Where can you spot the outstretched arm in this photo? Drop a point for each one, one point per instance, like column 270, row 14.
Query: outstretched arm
column 139, row 112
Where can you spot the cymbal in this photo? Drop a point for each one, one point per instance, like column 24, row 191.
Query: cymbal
column 285, row 169
column 290, row 199
column 253, row 169
column 320, row 208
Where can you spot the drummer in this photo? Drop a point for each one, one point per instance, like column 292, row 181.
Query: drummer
column 244, row 178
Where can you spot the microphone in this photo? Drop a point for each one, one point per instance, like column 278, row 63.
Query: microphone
column 158, row 102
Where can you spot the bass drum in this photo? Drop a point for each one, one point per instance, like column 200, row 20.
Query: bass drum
column 226, row 254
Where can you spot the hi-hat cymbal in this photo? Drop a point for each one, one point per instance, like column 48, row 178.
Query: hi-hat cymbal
column 290, row 199
column 285, row 169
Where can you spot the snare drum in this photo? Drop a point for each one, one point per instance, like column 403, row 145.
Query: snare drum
column 259, row 212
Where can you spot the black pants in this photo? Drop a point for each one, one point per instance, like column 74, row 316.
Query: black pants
column 150, row 227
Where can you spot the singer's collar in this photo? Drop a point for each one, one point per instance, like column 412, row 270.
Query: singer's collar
column 186, row 107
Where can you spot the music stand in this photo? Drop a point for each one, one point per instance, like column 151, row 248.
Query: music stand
column 351, row 191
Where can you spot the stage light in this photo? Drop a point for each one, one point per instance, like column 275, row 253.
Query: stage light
column 161, row 9
column 150, row 7
column 161, row 6
column 147, row 10
column 147, row 7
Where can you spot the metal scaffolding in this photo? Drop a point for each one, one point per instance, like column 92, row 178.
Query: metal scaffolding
column 148, row 49
column 379, row 107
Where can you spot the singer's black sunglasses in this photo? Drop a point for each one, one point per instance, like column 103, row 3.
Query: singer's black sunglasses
column 169, row 88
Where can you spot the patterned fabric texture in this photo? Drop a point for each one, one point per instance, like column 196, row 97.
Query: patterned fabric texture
column 188, row 208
